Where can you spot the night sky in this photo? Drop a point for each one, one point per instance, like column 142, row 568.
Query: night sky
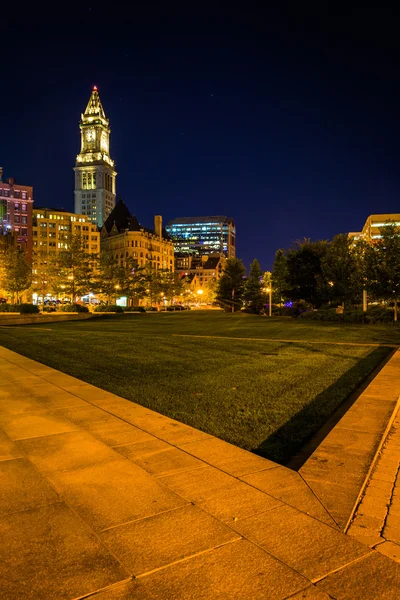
column 288, row 122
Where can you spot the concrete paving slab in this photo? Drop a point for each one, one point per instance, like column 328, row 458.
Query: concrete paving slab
column 237, row 570
column 375, row 577
column 114, row 492
column 49, row 553
column 220, row 494
column 66, row 451
column 338, row 496
column 8, row 448
column 23, row 487
column 310, row 593
column 308, row 546
column 19, row 427
column 228, row 458
column 23, row 404
column 289, row 487
column 159, row 458
column 118, row 433
column 158, row 541
column 390, row 549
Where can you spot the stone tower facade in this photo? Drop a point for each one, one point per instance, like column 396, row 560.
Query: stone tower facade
column 94, row 170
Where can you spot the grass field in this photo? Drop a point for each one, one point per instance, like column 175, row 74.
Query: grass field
column 264, row 395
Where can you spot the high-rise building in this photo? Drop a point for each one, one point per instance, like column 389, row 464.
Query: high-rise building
column 199, row 236
column 94, row 170
column 16, row 203
column 52, row 229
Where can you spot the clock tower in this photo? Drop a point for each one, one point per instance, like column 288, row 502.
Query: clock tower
column 94, row 169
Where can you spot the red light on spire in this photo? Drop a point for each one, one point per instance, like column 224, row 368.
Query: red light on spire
column 95, row 88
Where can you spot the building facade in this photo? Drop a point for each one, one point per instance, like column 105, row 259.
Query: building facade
column 124, row 237
column 94, row 170
column 16, row 203
column 373, row 225
column 52, row 229
column 203, row 236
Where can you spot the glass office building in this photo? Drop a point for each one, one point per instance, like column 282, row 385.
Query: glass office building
column 199, row 236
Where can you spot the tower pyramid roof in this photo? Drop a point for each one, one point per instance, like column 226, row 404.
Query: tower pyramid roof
column 95, row 107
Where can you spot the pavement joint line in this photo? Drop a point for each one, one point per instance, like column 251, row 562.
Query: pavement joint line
column 351, row 562
column 222, row 337
column 187, row 558
column 320, row 501
column 111, row 587
column 373, row 463
column 140, row 519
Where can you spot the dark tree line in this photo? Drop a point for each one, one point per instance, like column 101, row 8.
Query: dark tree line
column 337, row 271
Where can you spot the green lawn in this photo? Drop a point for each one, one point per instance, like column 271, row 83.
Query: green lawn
column 265, row 396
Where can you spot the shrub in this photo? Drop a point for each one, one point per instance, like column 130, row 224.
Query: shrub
column 48, row 309
column 26, row 309
column 109, row 308
column 375, row 314
column 7, row 308
column 80, row 308
column 135, row 309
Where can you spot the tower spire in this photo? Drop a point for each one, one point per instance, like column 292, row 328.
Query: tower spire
column 94, row 169
column 95, row 107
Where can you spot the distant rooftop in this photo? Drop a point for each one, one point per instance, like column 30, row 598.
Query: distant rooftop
column 193, row 220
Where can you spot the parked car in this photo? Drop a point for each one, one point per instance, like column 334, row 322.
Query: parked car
column 150, row 308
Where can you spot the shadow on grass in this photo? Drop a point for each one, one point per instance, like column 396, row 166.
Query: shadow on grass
column 293, row 443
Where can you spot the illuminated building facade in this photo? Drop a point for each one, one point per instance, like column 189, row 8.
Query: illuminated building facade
column 94, row 169
column 52, row 229
column 16, row 203
column 208, row 270
column 199, row 236
column 372, row 227
column 124, row 237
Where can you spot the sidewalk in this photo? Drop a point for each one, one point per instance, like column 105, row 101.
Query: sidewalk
column 103, row 498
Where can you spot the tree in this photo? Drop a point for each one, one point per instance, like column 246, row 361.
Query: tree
column 17, row 273
column 280, row 274
column 74, row 267
column 382, row 265
column 253, row 288
column 230, row 286
column 305, row 272
column 342, row 277
column 110, row 277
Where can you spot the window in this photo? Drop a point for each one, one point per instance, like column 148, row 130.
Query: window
column 17, row 219
column 24, row 231
column 17, row 194
column 7, row 193
column 24, row 219
column 24, row 197
column 16, row 206
column 23, row 207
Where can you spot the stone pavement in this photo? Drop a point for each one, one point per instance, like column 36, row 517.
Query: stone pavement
column 377, row 518
column 106, row 499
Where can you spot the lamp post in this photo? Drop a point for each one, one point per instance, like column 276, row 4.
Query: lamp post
column 269, row 290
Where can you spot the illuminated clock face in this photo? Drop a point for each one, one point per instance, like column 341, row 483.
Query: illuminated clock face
column 90, row 135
